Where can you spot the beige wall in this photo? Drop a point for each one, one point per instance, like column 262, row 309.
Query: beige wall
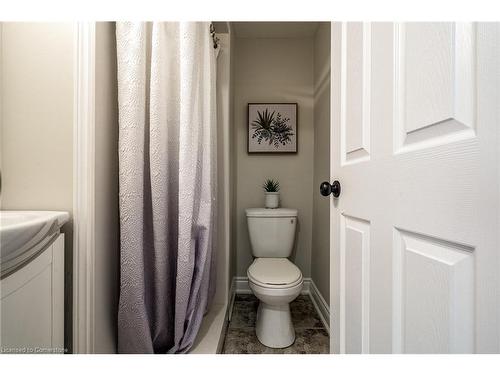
column 320, row 254
column 274, row 70
column 37, row 116
column 107, row 237
column 37, row 124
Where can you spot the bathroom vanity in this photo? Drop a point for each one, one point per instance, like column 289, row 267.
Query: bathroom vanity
column 32, row 282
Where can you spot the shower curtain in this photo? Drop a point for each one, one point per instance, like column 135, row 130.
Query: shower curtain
column 167, row 157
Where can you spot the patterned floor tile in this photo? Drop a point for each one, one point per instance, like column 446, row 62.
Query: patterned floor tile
column 304, row 314
column 310, row 335
column 244, row 311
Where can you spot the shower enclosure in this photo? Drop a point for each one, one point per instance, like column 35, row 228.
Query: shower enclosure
column 96, row 79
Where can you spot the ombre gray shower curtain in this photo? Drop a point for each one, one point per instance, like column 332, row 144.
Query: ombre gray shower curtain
column 167, row 157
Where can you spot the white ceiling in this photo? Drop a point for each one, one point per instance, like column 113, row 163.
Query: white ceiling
column 274, row 29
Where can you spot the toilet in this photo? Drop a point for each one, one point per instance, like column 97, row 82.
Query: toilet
column 272, row 277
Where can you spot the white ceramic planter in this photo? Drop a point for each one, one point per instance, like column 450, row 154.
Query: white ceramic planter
column 272, row 200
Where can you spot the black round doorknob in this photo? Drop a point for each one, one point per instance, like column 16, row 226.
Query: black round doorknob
column 326, row 188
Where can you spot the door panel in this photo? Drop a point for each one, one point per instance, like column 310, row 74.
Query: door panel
column 415, row 145
column 355, row 283
column 434, row 98
column 355, row 93
column 433, row 295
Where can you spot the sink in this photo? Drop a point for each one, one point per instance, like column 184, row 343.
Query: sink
column 23, row 234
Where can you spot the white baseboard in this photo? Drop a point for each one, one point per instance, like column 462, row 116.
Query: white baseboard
column 240, row 286
column 232, row 293
column 320, row 304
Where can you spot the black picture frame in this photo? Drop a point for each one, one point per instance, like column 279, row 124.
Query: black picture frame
column 276, row 146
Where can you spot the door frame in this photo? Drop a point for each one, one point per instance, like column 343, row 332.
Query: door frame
column 83, row 188
column 334, row 258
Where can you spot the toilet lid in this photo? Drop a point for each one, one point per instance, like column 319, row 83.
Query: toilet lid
column 274, row 271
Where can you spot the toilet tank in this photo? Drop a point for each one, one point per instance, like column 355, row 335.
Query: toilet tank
column 271, row 231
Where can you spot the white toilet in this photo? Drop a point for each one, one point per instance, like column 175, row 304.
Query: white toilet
column 274, row 279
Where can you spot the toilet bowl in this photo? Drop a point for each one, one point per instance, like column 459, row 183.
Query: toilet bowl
column 275, row 282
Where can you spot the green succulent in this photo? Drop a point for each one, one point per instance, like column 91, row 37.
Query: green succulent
column 271, row 186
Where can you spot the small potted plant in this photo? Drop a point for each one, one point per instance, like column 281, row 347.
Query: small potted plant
column 271, row 189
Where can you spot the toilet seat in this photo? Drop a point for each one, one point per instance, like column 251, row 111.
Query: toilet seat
column 275, row 273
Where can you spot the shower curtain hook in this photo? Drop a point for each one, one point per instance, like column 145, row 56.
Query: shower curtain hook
column 214, row 36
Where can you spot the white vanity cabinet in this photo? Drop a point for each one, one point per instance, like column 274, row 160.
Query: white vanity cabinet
column 32, row 304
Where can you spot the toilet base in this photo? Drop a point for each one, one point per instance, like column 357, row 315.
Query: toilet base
column 274, row 326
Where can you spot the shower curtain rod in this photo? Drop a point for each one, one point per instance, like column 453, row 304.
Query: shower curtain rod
column 214, row 36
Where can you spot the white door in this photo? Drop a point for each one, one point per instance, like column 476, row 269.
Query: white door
column 415, row 145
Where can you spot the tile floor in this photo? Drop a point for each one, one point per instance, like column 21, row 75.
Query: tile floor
column 311, row 337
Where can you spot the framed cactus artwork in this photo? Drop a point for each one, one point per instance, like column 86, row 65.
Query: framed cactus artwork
column 272, row 128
